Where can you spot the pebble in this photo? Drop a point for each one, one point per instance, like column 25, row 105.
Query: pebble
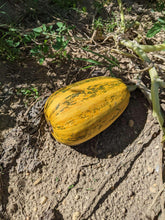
column 27, row 173
column 153, row 188
column 77, row 197
column 157, row 168
column 10, row 190
column 35, row 209
column 150, row 170
column 59, row 191
column 157, row 147
column 5, row 90
column 75, row 215
column 131, row 193
column 124, row 210
column 43, row 200
column 82, row 173
column 131, row 123
column 106, row 172
column 37, row 181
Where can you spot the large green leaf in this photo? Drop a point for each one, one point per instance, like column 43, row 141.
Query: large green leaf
column 154, row 30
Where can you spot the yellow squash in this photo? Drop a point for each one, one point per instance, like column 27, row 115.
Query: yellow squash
column 83, row 109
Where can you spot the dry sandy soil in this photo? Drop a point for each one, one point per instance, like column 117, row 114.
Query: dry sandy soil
column 114, row 176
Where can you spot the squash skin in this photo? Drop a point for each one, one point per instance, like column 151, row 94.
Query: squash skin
column 83, row 109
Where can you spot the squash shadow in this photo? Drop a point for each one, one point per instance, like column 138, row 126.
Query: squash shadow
column 121, row 133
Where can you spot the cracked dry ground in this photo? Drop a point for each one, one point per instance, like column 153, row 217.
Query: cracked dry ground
column 112, row 176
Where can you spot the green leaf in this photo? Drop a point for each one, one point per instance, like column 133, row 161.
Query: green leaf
column 50, row 27
column 41, row 60
column 13, row 29
column 115, row 62
column 90, row 189
column 60, row 24
column 2, row 12
column 154, row 30
column 161, row 20
column 71, row 186
column 16, row 44
column 61, row 43
column 44, row 27
column 87, row 67
column 38, row 29
column 11, row 43
column 163, row 27
column 35, row 51
column 45, row 49
column 90, row 61
column 3, row 5
column 27, row 38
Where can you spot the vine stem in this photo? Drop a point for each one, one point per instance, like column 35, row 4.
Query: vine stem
column 121, row 15
column 153, row 48
column 156, row 82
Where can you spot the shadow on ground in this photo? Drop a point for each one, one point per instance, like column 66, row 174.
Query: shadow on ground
column 121, row 133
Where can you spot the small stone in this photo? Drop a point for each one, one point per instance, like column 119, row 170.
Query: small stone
column 10, row 190
column 131, row 193
column 77, row 197
column 37, row 181
column 157, row 168
column 131, row 123
column 35, row 209
column 82, row 173
column 43, row 200
column 59, row 191
column 153, row 188
column 75, row 215
column 150, row 170
column 124, row 210
column 109, row 156
column 5, row 90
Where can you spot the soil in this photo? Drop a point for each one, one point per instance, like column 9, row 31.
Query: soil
column 114, row 176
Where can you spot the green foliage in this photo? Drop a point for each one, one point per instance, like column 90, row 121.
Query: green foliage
column 48, row 42
column 98, row 23
column 28, row 92
column 71, row 186
column 110, row 25
column 42, row 42
column 157, row 27
column 108, row 62
column 9, row 44
column 160, row 6
column 107, row 25
column 3, row 12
